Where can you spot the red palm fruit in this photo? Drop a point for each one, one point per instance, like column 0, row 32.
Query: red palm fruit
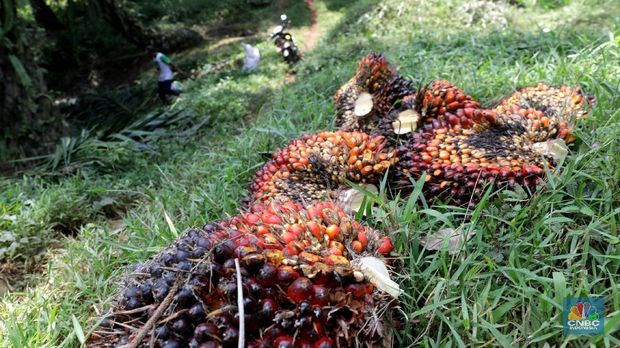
column 332, row 231
column 268, row 308
column 385, row 246
column 332, row 159
column 314, row 228
column 287, row 237
column 261, row 229
column 309, row 295
column 267, row 275
column 283, row 342
column 363, row 239
column 286, row 274
column 296, row 229
column 205, row 332
column 356, row 290
column 324, row 342
column 272, row 219
column 320, row 295
column 252, row 218
column 300, row 290
column 336, row 248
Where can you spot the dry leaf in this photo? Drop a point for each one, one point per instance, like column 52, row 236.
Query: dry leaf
column 376, row 272
column 555, row 148
column 455, row 240
column 351, row 199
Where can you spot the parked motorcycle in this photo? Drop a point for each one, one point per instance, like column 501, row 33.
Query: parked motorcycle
column 284, row 41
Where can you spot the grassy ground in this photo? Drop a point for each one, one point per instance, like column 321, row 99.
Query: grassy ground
column 505, row 288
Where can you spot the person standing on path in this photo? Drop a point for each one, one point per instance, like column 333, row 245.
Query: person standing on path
column 166, row 76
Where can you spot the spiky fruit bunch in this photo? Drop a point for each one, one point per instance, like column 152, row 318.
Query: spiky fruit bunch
column 438, row 103
column 459, row 162
column 301, row 286
column 378, row 101
column 314, row 166
column 547, row 111
column 370, row 94
column 512, row 143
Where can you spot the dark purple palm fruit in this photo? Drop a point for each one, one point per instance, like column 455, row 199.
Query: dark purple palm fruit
column 312, row 285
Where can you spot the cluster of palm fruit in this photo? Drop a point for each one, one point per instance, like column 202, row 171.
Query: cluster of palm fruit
column 369, row 95
column 546, row 111
column 512, row 143
column 314, row 166
column 442, row 132
column 314, row 277
column 301, row 285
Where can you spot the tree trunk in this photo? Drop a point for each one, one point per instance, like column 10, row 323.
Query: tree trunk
column 133, row 30
column 45, row 17
column 28, row 123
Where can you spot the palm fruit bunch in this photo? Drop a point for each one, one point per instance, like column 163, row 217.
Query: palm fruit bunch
column 513, row 143
column 314, row 166
column 370, row 94
column 546, row 111
column 459, row 162
column 441, row 131
column 378, row 101
column 438, row 103
column 278, row 275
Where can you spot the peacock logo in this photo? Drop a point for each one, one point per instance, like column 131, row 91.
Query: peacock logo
column 584, row 315
column 583, row 311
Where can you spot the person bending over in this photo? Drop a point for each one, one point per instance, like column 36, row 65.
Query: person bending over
column 166, row 76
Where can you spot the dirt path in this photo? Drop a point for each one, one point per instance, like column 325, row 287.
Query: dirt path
column 312, row 35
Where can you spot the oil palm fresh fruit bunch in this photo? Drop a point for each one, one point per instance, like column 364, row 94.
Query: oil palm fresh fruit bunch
column 316, row 166
column 514, row 143
column 378, row 101
column 442, row 132
column 546, row 111
column 437, row 103
column 370, row 94
column 303, row 277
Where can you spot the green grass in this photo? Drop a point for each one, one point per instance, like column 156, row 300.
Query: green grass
column 505, row 287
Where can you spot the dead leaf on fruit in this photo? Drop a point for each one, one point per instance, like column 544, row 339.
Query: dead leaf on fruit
column 352, row 199
column 555, row 148
column 375, row 270
column 454, row 239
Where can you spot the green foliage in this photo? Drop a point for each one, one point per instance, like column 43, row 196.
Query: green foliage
column 35, row 215
column 505, row 286
column 24, row 78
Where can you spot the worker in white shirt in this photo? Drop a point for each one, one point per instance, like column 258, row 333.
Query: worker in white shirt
column 166, row 77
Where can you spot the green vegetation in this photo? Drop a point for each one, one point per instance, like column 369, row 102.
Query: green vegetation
column 102, row 200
